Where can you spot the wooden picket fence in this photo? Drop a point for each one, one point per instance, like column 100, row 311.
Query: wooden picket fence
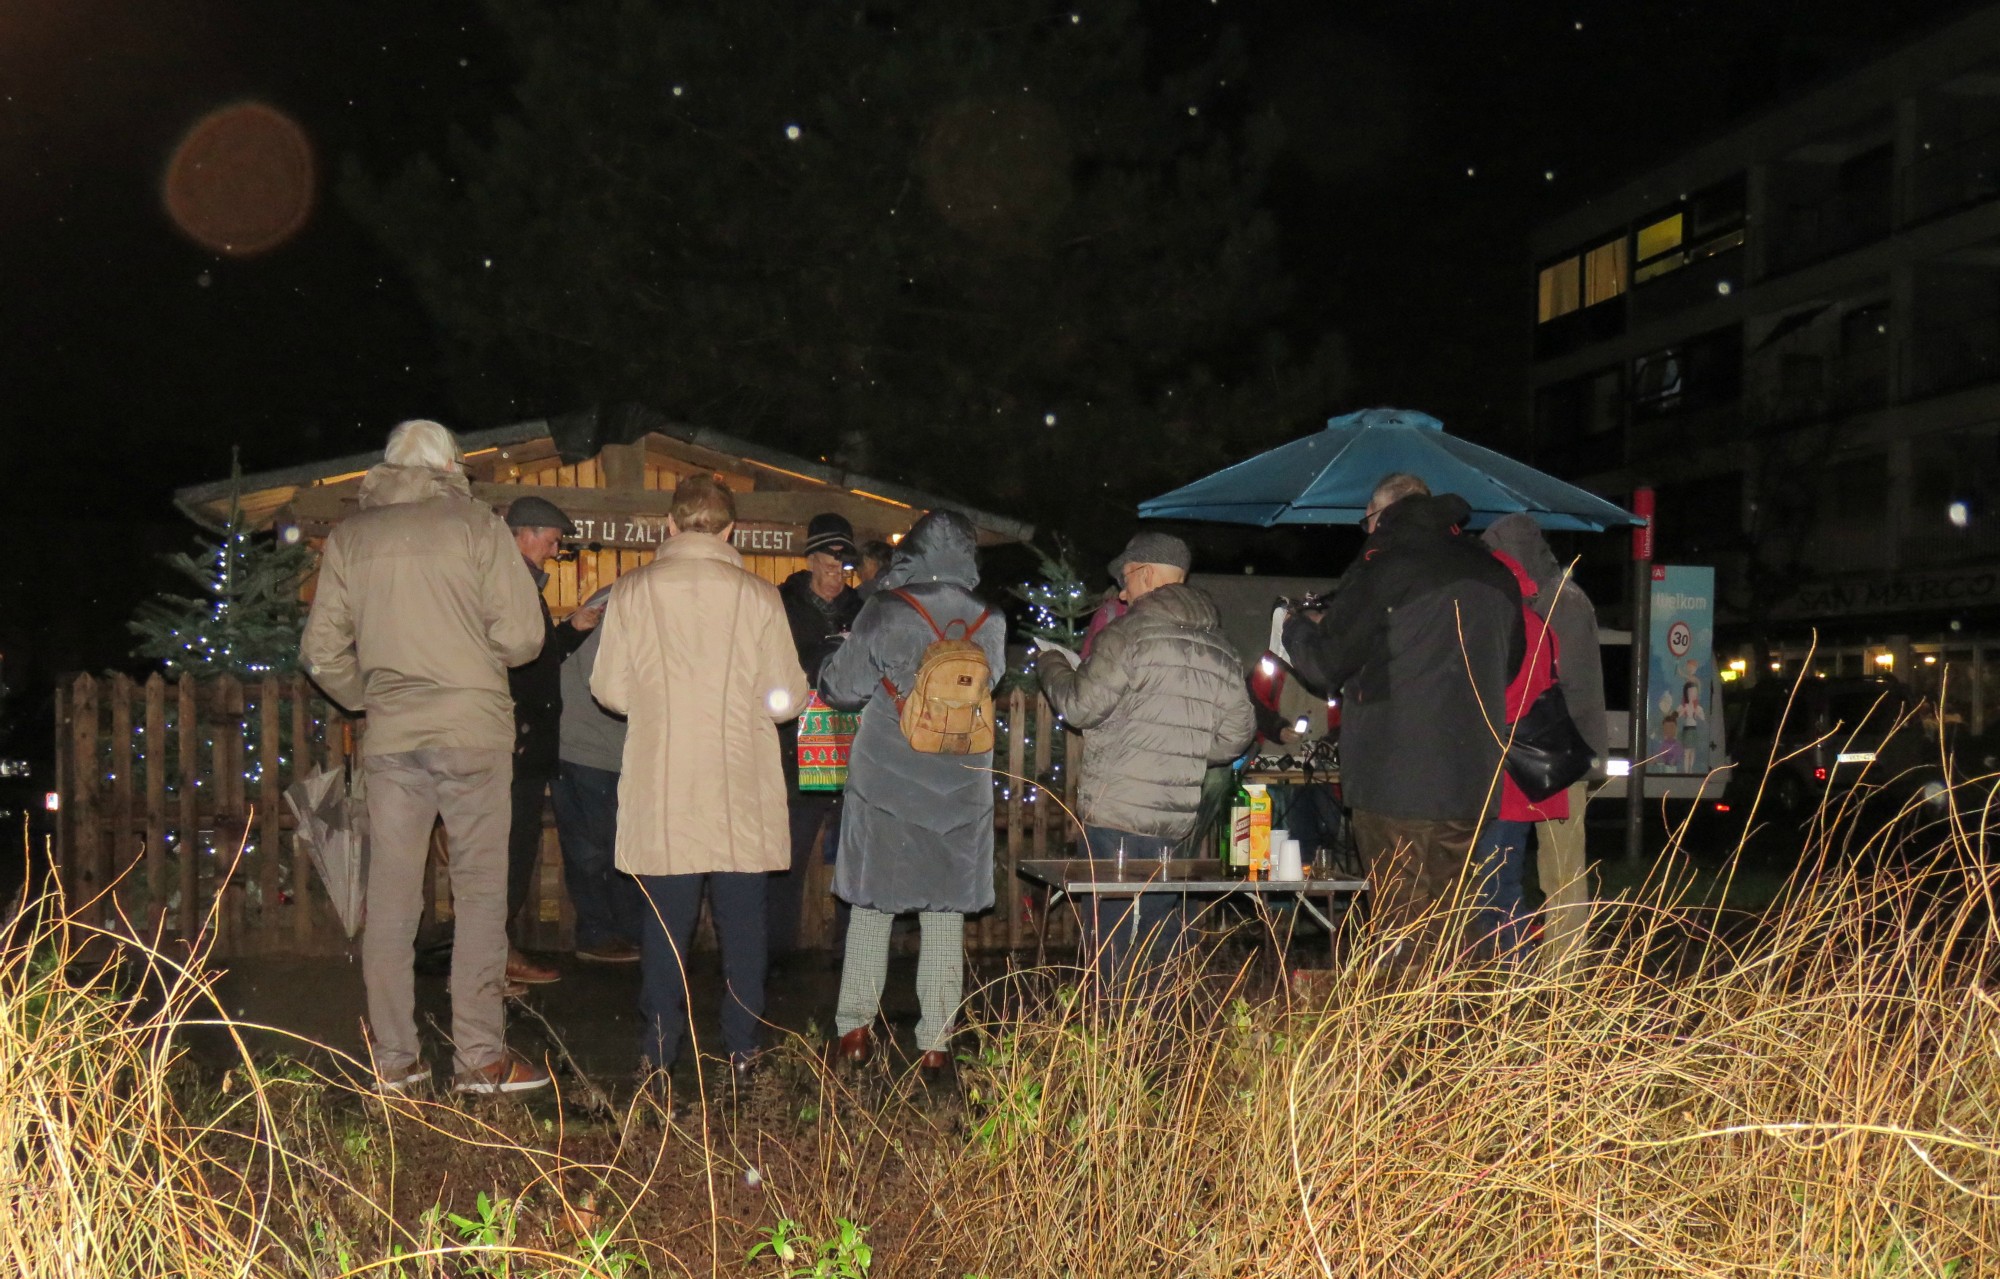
column 172, row 820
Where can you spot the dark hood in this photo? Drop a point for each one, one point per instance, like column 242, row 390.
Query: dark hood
column 1183, row 605
column 941, row 547
column 1421, row 518
column 1520, row 537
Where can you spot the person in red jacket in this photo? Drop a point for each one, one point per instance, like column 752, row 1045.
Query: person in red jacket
column 1501, row 851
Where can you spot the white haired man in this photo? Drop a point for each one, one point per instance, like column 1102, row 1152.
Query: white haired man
column 420, row 608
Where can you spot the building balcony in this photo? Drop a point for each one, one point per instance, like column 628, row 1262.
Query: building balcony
column 1950, row 358
column 1947, row 179
column 1823, row 393
column 1814, row 232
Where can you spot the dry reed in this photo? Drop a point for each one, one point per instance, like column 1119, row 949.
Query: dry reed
column 1814, row 1092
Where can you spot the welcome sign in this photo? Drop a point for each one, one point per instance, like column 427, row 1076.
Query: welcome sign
column 1680, row 679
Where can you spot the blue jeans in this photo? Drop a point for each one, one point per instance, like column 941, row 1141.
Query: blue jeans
column 609, row 906
column 1115, row 943
column 737, row 899
column 1499, row 856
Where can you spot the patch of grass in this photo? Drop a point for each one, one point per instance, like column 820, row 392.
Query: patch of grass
column 1815, row 1093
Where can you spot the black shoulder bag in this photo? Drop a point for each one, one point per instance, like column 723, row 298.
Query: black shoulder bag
column 1547, row 753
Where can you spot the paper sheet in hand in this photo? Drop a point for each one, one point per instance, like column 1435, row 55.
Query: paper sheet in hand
column 1277, row 644
column 332, row 827
column 1050, row 646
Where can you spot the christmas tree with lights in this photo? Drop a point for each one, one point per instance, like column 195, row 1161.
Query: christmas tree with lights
column 1059, row 602
column 247, row 617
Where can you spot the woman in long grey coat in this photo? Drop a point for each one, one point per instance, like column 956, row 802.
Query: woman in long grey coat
column 916, row 832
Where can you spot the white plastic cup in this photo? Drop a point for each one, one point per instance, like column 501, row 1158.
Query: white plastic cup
column 1290, row 868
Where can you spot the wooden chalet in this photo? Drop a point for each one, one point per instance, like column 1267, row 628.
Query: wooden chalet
column 617, row 492
column 172, row 813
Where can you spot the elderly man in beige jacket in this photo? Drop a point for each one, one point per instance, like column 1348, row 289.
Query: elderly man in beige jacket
column 420, row 608
column 698, row 656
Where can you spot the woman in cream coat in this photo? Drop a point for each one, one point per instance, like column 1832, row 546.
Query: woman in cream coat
column 697, row 655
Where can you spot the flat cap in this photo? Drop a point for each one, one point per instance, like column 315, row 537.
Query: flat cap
column 1149, row 547
column 538, row 512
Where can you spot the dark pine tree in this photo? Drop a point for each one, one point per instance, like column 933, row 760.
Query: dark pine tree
column 248, row 616
column 983, row 246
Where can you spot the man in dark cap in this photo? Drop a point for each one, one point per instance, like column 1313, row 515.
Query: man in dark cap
column 1159, row 700
column 820, row 606
column 539, row 527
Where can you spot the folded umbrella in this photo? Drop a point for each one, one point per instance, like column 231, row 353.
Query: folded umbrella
column 331, row 815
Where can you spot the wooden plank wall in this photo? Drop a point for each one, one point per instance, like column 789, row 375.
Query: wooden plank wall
column 172, row 819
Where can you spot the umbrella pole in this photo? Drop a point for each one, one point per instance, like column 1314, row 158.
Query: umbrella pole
column 1642, row 636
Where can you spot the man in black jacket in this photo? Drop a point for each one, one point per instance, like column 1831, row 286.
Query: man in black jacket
column 1421, row 640
column 539, row 526
column 820, row 606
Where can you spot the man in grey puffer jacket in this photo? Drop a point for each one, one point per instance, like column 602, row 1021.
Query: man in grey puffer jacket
column 1161, row 698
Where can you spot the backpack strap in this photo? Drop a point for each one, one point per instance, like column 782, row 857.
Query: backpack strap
column 939, row 631
column 922, row 612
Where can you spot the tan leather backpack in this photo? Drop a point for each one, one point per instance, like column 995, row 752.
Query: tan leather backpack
column 950, row 707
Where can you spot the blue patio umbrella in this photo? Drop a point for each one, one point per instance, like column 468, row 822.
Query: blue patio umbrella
column 1326, row 478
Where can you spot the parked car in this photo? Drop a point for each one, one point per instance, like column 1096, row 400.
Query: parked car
column 1863, row 748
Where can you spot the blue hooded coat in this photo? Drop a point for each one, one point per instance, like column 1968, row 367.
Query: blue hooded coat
column 916, row 830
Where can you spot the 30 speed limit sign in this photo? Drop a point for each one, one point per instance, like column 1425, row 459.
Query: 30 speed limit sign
column 1680, row 638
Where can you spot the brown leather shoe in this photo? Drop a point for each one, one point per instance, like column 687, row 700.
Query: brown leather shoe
column 510, row 1073
column 527, row 972
column 933, row 1062
column 856, row 1046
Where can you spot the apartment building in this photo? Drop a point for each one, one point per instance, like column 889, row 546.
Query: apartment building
column 1793, row 333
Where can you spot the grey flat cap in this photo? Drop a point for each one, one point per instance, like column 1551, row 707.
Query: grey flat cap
column 1148, row 547
column 539, row 512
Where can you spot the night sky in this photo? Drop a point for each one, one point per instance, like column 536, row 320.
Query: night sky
column 1420, row 140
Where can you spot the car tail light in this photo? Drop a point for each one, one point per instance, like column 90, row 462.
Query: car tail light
column 1721, row 807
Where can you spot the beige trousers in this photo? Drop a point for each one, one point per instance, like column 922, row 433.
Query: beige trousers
column 1565, row 880
column 407, row 792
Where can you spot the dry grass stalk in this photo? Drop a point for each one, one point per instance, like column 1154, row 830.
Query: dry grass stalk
column 1813, row 1093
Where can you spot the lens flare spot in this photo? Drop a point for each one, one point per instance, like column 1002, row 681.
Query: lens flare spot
column 242, row 180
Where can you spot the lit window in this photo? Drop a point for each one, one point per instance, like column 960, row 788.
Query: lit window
column 1604, row 272
column 1659, row 237
column 1659, row 249
column 1559, row 290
